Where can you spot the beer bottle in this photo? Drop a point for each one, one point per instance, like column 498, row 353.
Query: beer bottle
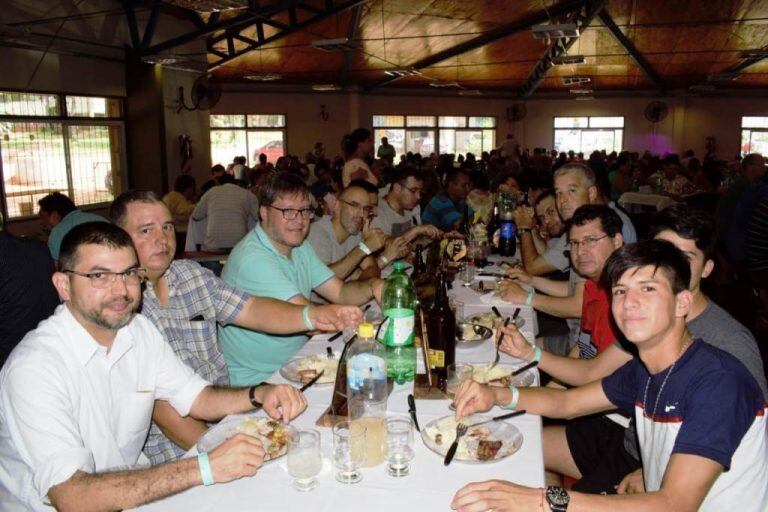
column 441, row 331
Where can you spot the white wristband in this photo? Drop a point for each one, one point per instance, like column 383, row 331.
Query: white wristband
column 515, row 397
column 364, row 248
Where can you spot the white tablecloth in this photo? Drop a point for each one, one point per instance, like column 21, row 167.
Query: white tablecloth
column 429, row 487
column 658, row 201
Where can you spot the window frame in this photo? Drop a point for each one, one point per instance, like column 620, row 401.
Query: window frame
column 246, row 128
column 742, row 129
column 436, row 128
column 66, row 121
column 589, row 128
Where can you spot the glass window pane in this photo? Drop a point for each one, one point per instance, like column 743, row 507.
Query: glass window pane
column 34, row 164
column 566, row 140
column 469, row 141
column 420, row 120
column 618, row 140
column 452, row 121
column 95, row 163
column 571, row 122
column 420, row 141
column 266, row 121
column 482, row 122
column 86, row 106
column 269, row 142
column 754, row 122
column 489, row 140
column 396, row 137
column 606, row 122
column 447, row 142
column 28, row 104
column 758, row 142
column 596, row 140
column 227, row 121
column 226, row 145
column 389, row 121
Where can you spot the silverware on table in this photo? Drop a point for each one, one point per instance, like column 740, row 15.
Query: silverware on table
column 310, row 383
column 461, row 429
column 498, row 418
column 523, row 368
column 496, row 311
column 498, row 344
column 335, row 336
column 329, row 352
column 412, row 412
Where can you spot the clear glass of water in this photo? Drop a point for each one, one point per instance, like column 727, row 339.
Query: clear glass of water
column 304, row 459
column 348, row 452
column 467, row 272
column 399, row 446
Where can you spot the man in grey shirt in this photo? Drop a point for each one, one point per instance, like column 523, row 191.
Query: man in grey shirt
column 230, row 211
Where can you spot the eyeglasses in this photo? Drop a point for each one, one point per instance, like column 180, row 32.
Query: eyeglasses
column 104, row 279
column 588, row 242
column 366, row 209
column 293, row 213
column 412, row 190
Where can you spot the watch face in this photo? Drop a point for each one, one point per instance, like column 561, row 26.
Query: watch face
column 558, row 496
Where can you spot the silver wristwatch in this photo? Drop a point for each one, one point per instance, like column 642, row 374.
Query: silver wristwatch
column 557, row 498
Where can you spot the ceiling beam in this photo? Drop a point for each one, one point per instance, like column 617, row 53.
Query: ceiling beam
column 582, row 18
column 284, row 29
column 630, row 48
column 354, row 28
column 501, row 32
column 149, row 30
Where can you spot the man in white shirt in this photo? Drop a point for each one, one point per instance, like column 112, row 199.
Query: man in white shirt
column 399, row 212
column 230, row 212
column 76, row 395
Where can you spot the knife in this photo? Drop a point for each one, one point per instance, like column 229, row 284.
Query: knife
column 499, row 418
column 314, row 379
column 523, row 368
column 335, row 336
column 496, row 311
column 412, row 412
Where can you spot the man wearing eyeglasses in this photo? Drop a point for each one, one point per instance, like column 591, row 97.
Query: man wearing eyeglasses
column 399, row 212
column 275, row 260
column 346, row 242
column 76, row 395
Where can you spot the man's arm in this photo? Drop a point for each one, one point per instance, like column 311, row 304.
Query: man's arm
column 533, row 262
column 183, row 431
column 348, row 263
column 280, row 317
column 563, row 307
column 355, row 292
column 283, row 402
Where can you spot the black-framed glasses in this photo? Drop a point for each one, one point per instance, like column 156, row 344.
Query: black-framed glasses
column 365, row 209
column 588, row 242
column 293, row 213
column 104, row 279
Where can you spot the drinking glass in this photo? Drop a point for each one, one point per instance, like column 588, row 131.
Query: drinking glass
column 399, row 446
column 369, row 418
column 457, row 373
column 467, row 272
column 348, row 452
column 304, row 459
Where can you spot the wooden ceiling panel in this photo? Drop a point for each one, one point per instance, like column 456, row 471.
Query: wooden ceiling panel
column 480, row 72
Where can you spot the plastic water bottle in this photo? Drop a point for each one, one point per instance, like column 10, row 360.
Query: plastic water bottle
column 366, row 368
column 398, row 304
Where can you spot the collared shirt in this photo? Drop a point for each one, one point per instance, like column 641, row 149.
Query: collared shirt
column 256, row 266
column 66, row 404
column 443, row 212
column 70, row 220
column 597, row 331
column 227, row 209
column 197, row 301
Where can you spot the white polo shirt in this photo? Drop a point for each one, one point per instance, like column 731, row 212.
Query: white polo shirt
column 67, row 405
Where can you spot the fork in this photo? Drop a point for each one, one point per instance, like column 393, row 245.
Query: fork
column 461, row 429
column 498, row 344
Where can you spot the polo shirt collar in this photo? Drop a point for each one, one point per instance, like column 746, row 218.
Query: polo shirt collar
column 83, row 345
column 267, row 242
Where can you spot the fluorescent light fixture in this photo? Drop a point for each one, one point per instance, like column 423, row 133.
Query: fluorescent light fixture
column 263, row 77
column 441, row 83
column 554, row 31
column 326, row 87
column 402, row 72
column 581, row 91
column 335, row 45
column 576, row 80
column 568, row 59
column 163, row 60
column 471, row 92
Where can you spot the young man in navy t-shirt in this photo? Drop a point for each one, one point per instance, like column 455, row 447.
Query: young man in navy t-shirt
column 701, row 417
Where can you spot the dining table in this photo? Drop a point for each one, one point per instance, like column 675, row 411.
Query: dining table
column 429, row 486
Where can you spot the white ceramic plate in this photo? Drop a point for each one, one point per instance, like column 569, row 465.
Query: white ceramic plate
column 275, row 449
column 290, row 370
column 511, row 438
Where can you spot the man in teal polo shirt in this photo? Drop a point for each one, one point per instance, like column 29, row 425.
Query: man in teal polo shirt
column 58, row 215
column 275, row 260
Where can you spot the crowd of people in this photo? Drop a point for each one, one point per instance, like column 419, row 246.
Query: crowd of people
column 655, row 393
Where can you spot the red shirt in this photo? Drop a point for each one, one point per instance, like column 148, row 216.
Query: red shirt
column 597, row 329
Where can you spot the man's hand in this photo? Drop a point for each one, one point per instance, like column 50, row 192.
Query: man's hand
column 514, row 343
column 519, row 275
column 281, row 402
column 633, row 483
column 374, row 238
column 240, row 455
column 395, row 247
column 472, row 397
column 523, row 216
column 427, row 230
column 510, row 291
column 335, row 317
column 498, row 496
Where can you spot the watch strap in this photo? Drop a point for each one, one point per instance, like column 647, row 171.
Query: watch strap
column 252, row 395
column 557, row 498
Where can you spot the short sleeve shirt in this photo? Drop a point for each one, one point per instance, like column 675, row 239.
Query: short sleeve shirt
column 323, row 241
column 391, row 222
column 597, row 330
column 256, row 266
column 443, row 212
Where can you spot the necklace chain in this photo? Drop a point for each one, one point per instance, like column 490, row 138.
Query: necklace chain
column 663, row 383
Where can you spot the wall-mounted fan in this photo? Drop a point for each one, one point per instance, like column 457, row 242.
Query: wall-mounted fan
column 516, row 112
column 656, row 111
column 205, row 95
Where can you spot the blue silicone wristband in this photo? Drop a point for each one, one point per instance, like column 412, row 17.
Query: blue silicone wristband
column 515, row 397
column 529, row 298
column 536, row 355
column 205, row 469
column 307, row 321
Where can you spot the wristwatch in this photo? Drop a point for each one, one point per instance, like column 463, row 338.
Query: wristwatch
column 252, row 395
column 521, row 231
column 557, row 498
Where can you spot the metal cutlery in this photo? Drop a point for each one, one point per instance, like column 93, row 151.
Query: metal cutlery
column 412, row 412
column 498, row 418
column 523, row 368
column 461, row 429
column 310, row 383
column 498, row 344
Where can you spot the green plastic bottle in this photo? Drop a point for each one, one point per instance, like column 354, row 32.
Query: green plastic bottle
column 398, row 303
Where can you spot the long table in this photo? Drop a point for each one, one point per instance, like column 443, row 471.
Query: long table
column 430, row 485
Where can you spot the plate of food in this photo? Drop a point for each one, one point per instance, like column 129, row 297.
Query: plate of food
column 480, row 445
column 302, row 369
column 272, row 434
column 471, row 335
column 488, row 320
column 501, row 375
column 484, row 287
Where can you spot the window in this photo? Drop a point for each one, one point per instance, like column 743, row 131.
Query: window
column 587, row 134
column 59, row 143
column 247, row 135
column 754, row 135
column 454, row 134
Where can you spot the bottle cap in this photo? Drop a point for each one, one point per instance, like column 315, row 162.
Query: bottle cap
column 365, row 330
column 399, row 265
